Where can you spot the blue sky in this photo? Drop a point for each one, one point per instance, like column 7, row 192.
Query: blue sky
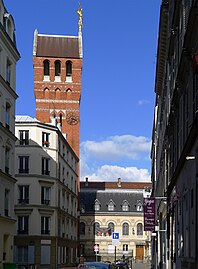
column 119, row 62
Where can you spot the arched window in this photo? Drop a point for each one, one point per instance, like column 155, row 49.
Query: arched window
column 61, row 119
column 139, row 229
column 111, row 227
column 96, row 228
column 125, row 229
column 82, row 228
column 46, row 69
column 57, row 68
column 68, row 71
column 68, row 68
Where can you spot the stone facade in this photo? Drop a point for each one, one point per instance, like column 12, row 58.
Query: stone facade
column 108, row 207
column 8, row 60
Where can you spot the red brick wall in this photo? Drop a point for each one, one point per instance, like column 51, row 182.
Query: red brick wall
column 57, row 98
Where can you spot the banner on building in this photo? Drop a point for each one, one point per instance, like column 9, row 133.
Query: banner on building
column 149, row 214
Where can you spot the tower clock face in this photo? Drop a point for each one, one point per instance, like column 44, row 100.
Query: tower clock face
column 72, row 118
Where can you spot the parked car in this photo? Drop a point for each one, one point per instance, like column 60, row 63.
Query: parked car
column 122, row 265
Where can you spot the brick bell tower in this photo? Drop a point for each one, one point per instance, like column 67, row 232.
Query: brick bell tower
column 57, row 62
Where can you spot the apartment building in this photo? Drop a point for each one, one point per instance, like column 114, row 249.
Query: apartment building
column 175, row 137
column 46, row 196
column 113, row 207
column 9, row 56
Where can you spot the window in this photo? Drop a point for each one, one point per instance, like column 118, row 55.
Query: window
column 97, row 205
column 45, row 254
column 23, row 164
column 125, row 206
column 82, row 208
column 111, row 205
column 68, row 71
column 6, row 202
column 22, row 252
column 57, row 68
column 45, row 195
column 139, row 206
column 68, row 68
column 23, row 224
column 8, row 72
column 7, row 119
column 82, row 249
column 45, row 225
column 46, row 68
column 111, row 227
column 125, row 229
column 23, row 194
column 24, row 137
column 45, row 139
column 139, row 229
column 125, row 247
column 82, row 228
column 45, row 166
column 7, row 160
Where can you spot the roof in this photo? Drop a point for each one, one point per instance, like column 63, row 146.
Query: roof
column 114, row 185
column 25, row 118
column 55, row 46
column 88, row 198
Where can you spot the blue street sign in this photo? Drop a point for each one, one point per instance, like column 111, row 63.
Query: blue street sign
column 115, row 235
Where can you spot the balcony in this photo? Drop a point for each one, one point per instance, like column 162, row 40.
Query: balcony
column 46, row 143
column 21, row 231
column 45, row 202
column 23, row 201
column 47, row 232
column 23, row 171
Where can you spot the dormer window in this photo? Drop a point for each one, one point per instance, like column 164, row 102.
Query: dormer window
column 82, row 207
column 97, row 205
column 111, row 205
column 139, row 206
column 125, row 206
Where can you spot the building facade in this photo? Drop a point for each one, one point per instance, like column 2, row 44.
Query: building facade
column 46, row 197
column 9, row 56
column 113, row 207
column 175, row 137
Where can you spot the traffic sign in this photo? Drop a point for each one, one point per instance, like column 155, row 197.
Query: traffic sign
column 115, row 235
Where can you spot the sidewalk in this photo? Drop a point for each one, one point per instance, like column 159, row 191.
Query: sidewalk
column 141, row 265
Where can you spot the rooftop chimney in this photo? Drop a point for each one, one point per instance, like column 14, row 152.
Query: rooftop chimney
column 119, row 183
column 86, row 181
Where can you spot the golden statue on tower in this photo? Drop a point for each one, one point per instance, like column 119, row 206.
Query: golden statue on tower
column 80, row 17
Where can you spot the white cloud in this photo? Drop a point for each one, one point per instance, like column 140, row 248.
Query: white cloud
column 117, row 147
column 103, row 160
column 112, row 173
